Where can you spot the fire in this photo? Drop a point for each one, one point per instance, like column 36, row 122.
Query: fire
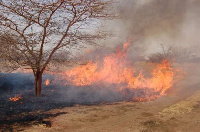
column 115, row 69
column 125, row 45
column 14, row 99
column 47, row 82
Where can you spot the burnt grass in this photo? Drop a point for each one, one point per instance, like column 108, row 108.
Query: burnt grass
column 29, row 110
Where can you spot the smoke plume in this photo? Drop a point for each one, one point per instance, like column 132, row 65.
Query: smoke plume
column 154, row 22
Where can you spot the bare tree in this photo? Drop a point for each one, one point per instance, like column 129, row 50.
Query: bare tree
column 171, row 53
column 35, row 30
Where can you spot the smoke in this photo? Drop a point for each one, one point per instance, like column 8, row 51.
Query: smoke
column 154, row 22
column 57, row 94
column 167, row 22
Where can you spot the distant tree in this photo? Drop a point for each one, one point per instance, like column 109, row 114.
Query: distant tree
column 171, row 53
column 36, row 29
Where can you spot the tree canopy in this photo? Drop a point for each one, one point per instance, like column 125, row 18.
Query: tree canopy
column 35, row 30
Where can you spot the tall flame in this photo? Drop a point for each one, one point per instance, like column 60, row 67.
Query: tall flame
column 115, row 69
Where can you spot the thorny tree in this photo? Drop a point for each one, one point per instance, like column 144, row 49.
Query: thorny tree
column 35, row 30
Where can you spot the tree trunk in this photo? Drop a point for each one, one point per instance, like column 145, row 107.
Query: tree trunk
column 38, row 83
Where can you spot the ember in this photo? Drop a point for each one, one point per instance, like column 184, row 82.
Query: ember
column 14, row 99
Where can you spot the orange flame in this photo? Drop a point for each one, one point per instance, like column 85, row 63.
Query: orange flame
column 116, row 70
column 14, row 99
column 47, row 82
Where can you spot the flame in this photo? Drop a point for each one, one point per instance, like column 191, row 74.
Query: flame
column 14, row 99
column 115, row 69
column 47, row 82
column 125, row 45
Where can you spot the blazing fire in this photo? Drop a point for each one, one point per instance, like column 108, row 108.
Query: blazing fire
column 14, row 99
column 115, row 69
column 118, row 70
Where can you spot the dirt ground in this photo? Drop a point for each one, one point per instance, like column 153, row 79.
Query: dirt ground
column 177, row 112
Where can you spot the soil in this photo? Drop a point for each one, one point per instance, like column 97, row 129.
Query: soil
column 177, row 112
